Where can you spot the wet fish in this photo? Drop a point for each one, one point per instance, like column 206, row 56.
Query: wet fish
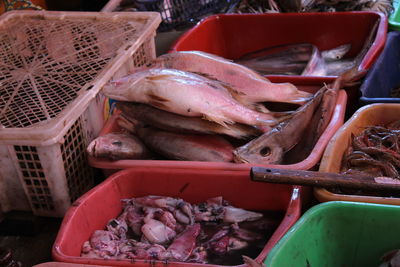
column 250, row 87
column 187, row 147
column 295, row 59
column 298, row 59
column 185, row 94
column 182, row 124
column 270, row 147
column 116, row 146
column 317, row 125
column 283, row 59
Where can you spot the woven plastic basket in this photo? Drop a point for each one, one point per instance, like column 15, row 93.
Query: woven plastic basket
column 52, row 66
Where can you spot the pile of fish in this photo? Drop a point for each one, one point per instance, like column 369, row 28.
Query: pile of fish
column 375, row 151
column 299, row 59
column 261, row 6
column 171, row 229
column 199, row 107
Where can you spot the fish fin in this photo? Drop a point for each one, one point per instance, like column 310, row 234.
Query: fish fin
column 232, row 90
column 156, row 98
column 157, row 101
column 220, row 120
column 157, row 104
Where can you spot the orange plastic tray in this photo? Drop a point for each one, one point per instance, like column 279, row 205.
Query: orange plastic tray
column 375, row 114
column 94, row 209
column 308, row 163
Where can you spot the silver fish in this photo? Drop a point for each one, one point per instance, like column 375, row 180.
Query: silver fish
column 182, row 124
column 270, row 147
column 250, row 86
column 186, row 94
column 187, row 147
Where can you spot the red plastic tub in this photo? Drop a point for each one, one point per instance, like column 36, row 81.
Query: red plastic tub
column 233, row 35
column 94, row 209
column 310, row 85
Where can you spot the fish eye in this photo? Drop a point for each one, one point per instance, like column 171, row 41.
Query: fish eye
column 265, row 151
column 117, row 143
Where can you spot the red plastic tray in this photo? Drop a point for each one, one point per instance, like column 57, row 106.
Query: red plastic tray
column 309, row 85
column 233, row 35
column 94, row 209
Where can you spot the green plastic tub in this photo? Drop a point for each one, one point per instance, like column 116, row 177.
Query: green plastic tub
column 394, row 18
column 337, row 234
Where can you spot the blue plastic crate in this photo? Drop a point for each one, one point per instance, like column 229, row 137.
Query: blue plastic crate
column 384, row 75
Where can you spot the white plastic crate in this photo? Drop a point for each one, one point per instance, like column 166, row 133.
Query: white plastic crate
column 52, row 67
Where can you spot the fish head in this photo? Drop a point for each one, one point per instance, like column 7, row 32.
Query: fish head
column 336, row 53
column 113, row 146
column 264, row 154
column 118, row 89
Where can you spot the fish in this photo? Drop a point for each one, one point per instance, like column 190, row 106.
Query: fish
column 298, row 59
column 172, row 122
column 270, row 147
column 282, row 59
column 116, row 146
column 294, row 59
column 317, row 125
column 185, row 94
column 250, row 87
column 186, row 146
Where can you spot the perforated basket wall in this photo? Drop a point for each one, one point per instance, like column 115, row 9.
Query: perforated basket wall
column 52, row 67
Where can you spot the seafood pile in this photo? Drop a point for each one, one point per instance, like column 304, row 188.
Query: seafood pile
column 375, row 151
column 199, row 107
column 171, row 229
column 259, row 6
column 299, row 59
